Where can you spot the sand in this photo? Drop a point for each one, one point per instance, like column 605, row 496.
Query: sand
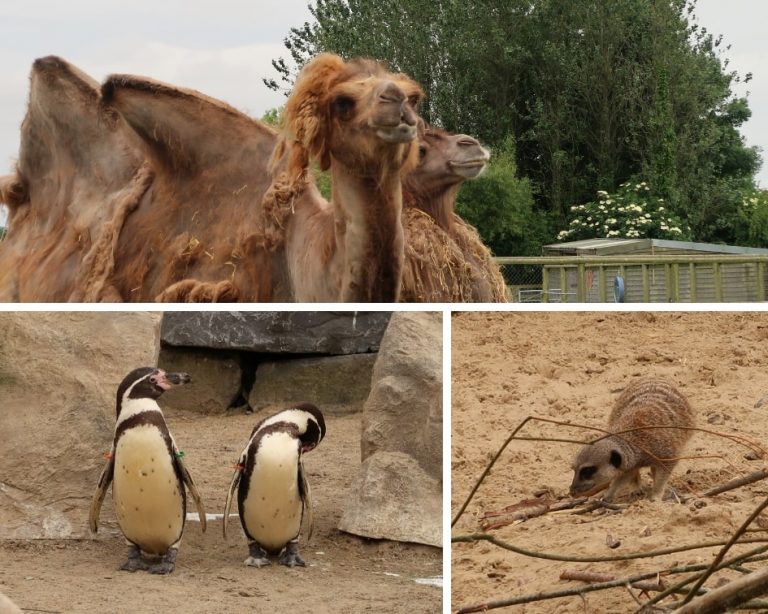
column 570, row 366
column 345, row 574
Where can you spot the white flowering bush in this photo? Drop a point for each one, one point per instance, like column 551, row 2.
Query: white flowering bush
column 630, row 213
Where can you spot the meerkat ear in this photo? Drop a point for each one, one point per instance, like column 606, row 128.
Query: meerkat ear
column 615, row 459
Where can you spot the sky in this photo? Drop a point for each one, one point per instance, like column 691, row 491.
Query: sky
column 224, row 48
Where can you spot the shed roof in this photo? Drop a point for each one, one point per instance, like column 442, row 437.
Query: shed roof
column 608, row 247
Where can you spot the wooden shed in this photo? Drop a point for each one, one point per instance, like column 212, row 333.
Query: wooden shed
column 653, row 270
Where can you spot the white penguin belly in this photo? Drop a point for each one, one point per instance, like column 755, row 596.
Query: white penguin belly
column 272, row 510
column 147, row 494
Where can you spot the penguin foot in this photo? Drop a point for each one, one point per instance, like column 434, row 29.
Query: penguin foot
column 290, row 556
column 134, row 565
column 258, row 556
column 135, row 561
column 166, row 565
column 163, row 567
column 257, row 562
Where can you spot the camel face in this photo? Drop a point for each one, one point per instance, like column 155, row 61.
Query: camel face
column 445, row 160
column 374, row 118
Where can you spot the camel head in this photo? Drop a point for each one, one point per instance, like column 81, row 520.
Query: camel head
column 445, row 162
column 357, row 113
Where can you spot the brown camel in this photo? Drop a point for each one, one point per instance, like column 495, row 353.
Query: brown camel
column 446, row 261
column 197, row 151
column 179, row 215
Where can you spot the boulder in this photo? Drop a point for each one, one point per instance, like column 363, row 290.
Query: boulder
column 7, row 606
column 58, row 376
column 216, row 378
column 336, row 384
column 304, row 332
column 398, row 493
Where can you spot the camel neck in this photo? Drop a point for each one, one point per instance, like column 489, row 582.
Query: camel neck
column 369, row 235
column 440, row 205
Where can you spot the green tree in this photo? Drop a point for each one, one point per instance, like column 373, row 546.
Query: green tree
column 501, row 207
column 593, row 93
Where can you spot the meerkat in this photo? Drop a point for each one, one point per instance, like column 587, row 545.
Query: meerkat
column 617, row 459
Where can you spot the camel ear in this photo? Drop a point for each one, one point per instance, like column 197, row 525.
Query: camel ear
column 13, row 192
column 306, row 115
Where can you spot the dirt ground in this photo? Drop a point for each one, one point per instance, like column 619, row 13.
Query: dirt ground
column 344, row 574
column 570, row 366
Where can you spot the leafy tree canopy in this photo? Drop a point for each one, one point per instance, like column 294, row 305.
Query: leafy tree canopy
column 593, row 94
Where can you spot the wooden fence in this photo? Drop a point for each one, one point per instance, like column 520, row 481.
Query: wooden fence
column 638, row 279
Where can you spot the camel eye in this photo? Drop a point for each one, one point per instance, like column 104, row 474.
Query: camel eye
column 422, row 152
column 585, row 473
column 414, row 101
column 343, row 106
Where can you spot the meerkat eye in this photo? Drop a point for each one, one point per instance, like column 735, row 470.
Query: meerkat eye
column 585, row 473
column 615, row 459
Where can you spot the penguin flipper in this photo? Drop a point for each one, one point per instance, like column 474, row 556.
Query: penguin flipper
column 230, row 496
column 306, row 497
column 105, row 479
column 192, row 491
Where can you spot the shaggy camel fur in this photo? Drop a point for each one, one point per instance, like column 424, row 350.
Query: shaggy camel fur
column 446, row 261
column 170, row 188
column 185, row 214
column 352, row 117
column 78, row 175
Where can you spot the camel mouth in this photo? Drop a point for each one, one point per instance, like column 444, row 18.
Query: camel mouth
column 402, row 133
column 469, row 169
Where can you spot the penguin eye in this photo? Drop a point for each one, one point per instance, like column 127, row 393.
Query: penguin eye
column 585, row 473
column 153, row 379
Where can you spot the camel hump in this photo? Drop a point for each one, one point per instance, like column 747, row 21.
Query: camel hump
column 182, row 128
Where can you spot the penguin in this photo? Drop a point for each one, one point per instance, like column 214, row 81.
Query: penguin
column 273, row 494
column 147, row 474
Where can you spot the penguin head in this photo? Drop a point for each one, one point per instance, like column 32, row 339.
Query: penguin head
column 313, row 429
column 308, row 420
column 148, row 383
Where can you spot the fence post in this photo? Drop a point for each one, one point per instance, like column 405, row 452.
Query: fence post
column 692, row 275
column 718, row 281
column 761, row 281
column 646, row 284
column 545, row 284
column 581, row 294
column 601, row 281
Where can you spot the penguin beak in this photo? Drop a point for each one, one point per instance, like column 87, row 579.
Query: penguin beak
column 176, row 379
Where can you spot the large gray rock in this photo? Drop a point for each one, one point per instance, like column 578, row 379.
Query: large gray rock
column 336, row 384
column 304, row 332
column 216, row 378
column 395, row 498
column 398, row 494
column 58, row 377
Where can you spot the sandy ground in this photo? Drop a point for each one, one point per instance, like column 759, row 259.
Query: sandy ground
column 570, row 366
column 344, row 573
